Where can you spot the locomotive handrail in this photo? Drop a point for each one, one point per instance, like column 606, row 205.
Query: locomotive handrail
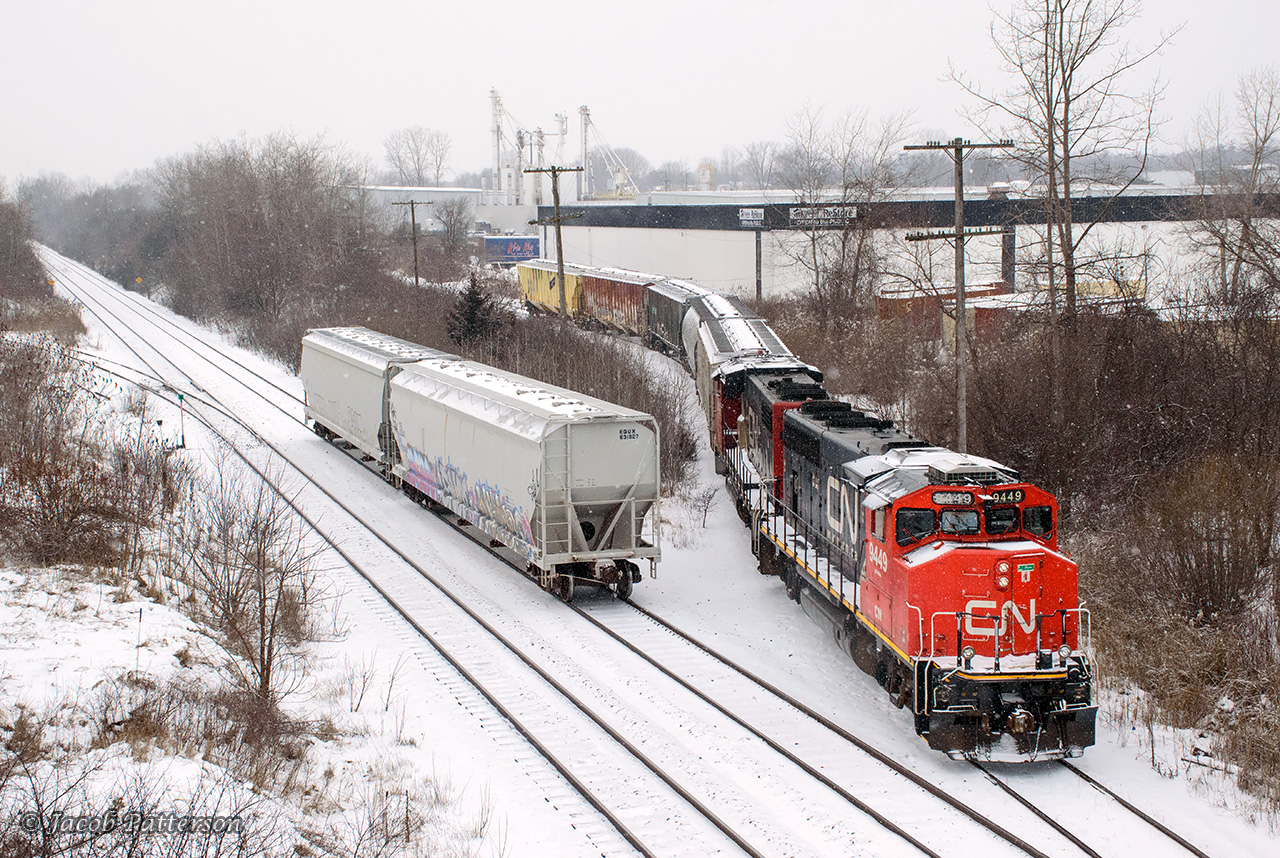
column 816, row 545
column 1084, row 628
column 960, row 617
column 920, row 630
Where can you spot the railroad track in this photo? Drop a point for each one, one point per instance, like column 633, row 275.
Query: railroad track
column 533, row 717
column 847, row 759
column 1048, row 816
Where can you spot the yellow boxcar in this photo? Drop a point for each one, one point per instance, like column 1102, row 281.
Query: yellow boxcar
column 541, row 291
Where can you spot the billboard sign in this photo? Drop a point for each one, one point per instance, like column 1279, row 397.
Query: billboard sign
column 510, row 249
column 823, row 215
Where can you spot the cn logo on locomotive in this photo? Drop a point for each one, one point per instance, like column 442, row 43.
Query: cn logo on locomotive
column 986, row 629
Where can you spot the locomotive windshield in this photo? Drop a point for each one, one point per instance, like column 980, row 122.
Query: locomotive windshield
column 912, row 525
column 915, row 524
column 1038, row 520
column 963, row 522
column 1002, row 519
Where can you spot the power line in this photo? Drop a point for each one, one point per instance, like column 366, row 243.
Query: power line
column 955, row 148
column 557, row 218
column 413, row 220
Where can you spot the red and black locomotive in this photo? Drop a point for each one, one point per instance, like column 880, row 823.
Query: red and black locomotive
column 939, row 572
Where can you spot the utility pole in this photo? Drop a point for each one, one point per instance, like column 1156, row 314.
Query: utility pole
column 556, row 219
column 413, row 220
column 955, row 149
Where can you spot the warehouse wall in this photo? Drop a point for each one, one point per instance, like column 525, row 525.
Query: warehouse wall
column 720, row 260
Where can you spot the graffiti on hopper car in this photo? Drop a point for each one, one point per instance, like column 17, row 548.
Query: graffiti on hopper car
column 489, row 507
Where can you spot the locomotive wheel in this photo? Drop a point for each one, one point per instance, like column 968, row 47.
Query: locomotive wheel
column 860, row 648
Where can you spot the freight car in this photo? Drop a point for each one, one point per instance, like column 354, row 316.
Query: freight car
column 540, row 287
column 666, row 304
column 938, row 572
column 345, row 373
column 628, row 302
column 725, row 343
column 564, row 482
column 614, row 299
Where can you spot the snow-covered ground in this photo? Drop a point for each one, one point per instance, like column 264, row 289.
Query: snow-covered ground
column 707, row 584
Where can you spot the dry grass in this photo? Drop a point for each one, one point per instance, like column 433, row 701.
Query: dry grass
column 231, row 727
column 74, row 486
column 53, row 316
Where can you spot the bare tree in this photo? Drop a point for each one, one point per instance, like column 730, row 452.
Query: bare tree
column 257, row 225
column 1082, row 124
column 256, row 575
column 1235, row 163
column 21, row 273
column 671, row 175
column 760, row 160
column 455, row 218
column 840, row 166
column 729, row 166
column 418, row 155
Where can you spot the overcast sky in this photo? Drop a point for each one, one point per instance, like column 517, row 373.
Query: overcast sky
column 94, row 89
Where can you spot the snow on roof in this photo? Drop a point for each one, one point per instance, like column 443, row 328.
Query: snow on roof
column 674, row 289
column 902, row 471
column 689, row 286
column 933, row 550
column 763, row 362
column 942, row 290
column 370, row 347
column 519, row 404
column 722, row 307
column 621, row 274
column 1039, row 300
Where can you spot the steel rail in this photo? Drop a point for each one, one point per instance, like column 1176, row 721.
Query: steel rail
column 861, row 744
column 612, row 732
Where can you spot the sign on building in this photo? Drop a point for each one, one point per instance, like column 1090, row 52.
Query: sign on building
column 507, row 250
column 813, row 216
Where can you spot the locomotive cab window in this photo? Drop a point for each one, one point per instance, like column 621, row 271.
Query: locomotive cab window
column 877, row 524
column 1002, row 519
column 963, row 522
column 1038, row 520
column 914, row 525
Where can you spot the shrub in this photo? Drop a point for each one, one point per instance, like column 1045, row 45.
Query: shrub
column 256, row 582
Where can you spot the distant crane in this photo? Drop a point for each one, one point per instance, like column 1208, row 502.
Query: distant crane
column 515, row 146
column 623, row 184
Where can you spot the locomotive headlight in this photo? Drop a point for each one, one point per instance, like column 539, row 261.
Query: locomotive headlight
column 1003, row 568
column 1003, row 582
column 967, row 654
column 1064, row 652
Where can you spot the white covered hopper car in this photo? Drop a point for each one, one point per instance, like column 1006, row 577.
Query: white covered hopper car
column 565, row 482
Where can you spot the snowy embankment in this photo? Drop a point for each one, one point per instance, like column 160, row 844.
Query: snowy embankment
column 708, row 584
column 93, row 675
